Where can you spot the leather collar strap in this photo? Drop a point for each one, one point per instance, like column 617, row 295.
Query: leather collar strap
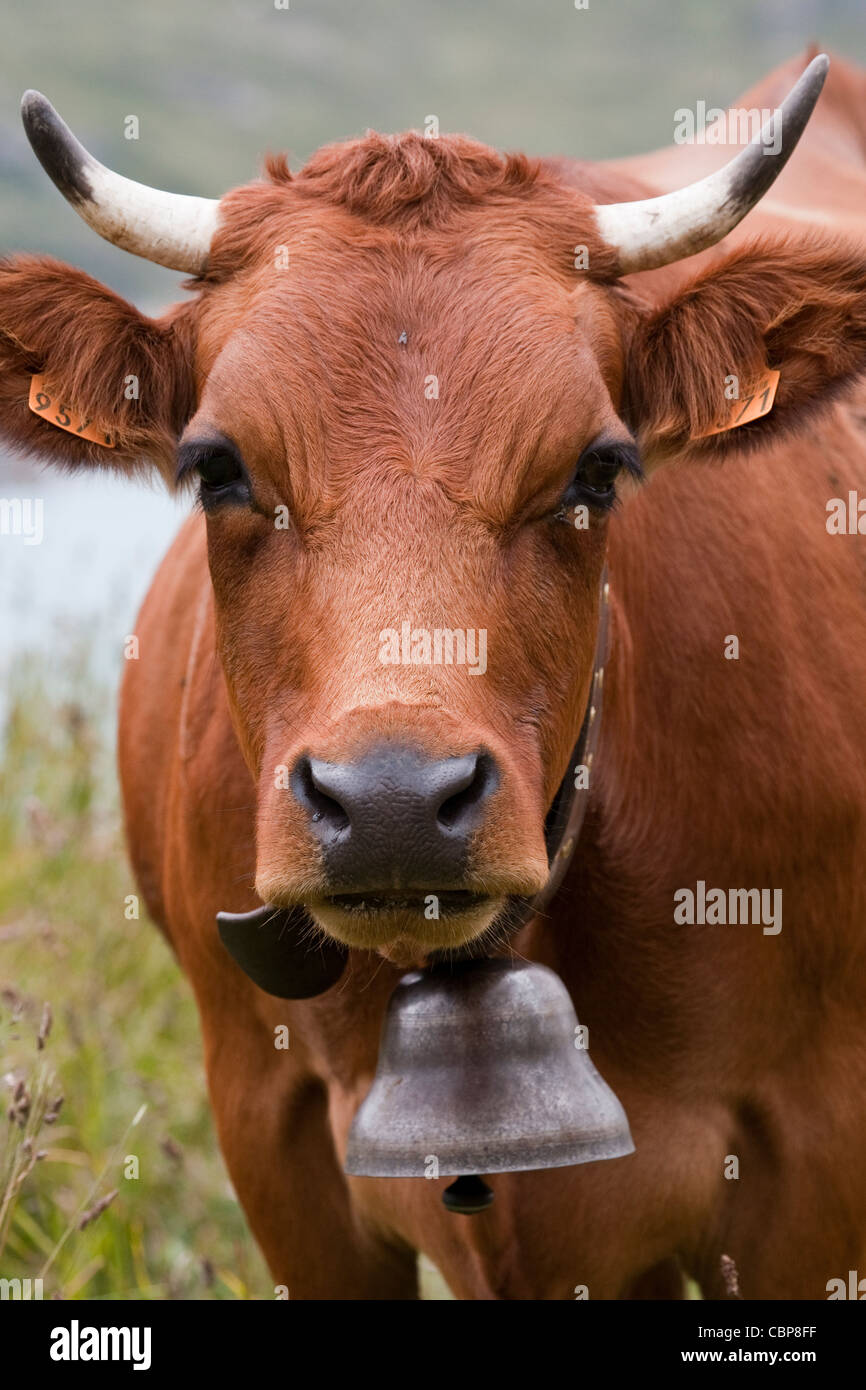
column 566, row 815
column 281, row 952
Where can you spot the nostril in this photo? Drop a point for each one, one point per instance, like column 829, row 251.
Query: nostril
column 394, row 815
column 310, row 787
column 459, row 811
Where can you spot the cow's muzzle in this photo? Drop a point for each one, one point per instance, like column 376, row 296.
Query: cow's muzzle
column 395, row 822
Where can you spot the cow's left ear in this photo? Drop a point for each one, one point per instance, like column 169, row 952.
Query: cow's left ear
column 797, row 308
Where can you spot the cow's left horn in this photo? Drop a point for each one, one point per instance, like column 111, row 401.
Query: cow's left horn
column 656, row 231
column 170, row 228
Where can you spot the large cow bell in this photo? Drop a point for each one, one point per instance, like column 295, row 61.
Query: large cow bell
column 480, row 1071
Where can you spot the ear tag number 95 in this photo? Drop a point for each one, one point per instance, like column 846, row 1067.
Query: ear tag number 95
column 51, row 407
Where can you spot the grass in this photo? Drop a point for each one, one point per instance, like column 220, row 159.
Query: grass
column 118, row 1040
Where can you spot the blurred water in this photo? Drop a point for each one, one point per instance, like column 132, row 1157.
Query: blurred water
column 103, row 539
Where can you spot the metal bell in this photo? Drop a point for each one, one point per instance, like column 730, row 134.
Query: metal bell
column 480, row 1072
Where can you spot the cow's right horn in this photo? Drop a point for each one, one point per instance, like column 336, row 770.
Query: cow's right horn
column 170, row 228
column 652, row 232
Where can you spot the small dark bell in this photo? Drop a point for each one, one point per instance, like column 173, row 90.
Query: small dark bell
column 478, row 1072
column 278, row 949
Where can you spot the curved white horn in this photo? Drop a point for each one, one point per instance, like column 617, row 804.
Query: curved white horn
column 169, row 228
column 656, row 231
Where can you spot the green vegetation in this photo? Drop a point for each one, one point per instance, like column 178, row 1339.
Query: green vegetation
column 124, row 1035
column 94, row 1009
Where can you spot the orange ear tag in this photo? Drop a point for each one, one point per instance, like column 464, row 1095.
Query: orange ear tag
column 47, row 403
column 759, row 403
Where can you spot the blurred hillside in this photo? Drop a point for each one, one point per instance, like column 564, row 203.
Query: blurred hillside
column 215, row 83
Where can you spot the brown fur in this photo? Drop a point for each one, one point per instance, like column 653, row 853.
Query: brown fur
column 86, row 340
column 798, row 303
column 257, row 644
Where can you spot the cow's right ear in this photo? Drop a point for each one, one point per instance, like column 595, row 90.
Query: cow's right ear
column 104, row 366
column 788, row 315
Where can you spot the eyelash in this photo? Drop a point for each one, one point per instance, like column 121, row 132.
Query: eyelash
column 235, row 486
column 580, row 492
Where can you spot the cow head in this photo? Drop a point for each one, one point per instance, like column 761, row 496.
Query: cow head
column 409, row 388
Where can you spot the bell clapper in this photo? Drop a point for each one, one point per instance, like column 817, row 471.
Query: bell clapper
column 468, row 1195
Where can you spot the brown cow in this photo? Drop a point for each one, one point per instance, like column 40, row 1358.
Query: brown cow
column 402, row 370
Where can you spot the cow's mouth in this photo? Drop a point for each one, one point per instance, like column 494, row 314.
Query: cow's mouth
column 444, row 904
column 406, row 925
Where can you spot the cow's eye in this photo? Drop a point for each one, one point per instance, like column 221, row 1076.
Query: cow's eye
column 596, row 473
column 594, row 481
column 218, row 471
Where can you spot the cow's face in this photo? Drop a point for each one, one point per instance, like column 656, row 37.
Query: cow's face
column 408, row 449
column 402, row 381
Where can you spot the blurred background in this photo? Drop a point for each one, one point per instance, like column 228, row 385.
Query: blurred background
column 214, row 85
